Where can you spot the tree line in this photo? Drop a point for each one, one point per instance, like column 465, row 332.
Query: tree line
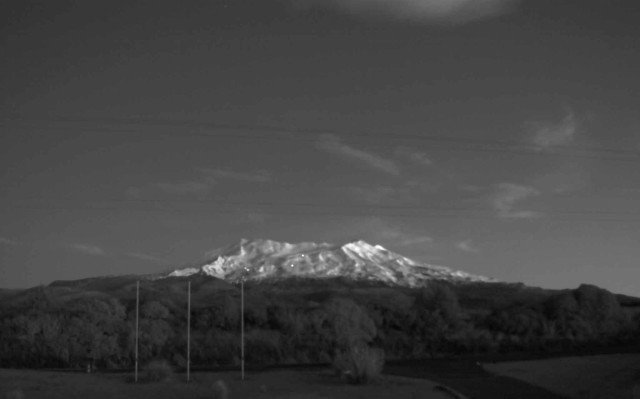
column 304, row 327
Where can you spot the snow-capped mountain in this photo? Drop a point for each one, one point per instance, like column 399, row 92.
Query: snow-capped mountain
column 358, row 260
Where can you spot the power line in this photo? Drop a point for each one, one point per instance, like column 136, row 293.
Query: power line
column 306, row 134
column 217, row 202
column 319, row 210
column 312, row 135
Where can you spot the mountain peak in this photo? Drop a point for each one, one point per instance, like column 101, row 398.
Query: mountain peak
column 259, row 259
column 361, row 244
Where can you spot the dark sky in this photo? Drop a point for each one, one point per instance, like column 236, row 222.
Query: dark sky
column 498, row 137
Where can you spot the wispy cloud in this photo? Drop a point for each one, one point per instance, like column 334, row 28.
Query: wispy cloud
column 187, row 187
column 414, row 156
column 251, row 215
column 146, row 257
column 423, row 11
column 547, row 135
column 508, row 195
column 334, row 145
column 383, row 195
column 378, row 231
column 88, row 249
column 261, row 176
column 396, row 235
column 256, row 217
column 134, row 192
column 407, row 241
column 207, row 179
column 470, row 188
column 466, row 246
column 566, row 177
column 7, row 241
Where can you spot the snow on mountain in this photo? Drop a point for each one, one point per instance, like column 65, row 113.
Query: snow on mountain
column 358, row 260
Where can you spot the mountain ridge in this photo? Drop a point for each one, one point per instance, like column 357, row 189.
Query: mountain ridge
column 261, row 259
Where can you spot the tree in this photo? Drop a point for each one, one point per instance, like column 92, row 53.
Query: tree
column 438, row 316
column 350, row 323
column 155, row 330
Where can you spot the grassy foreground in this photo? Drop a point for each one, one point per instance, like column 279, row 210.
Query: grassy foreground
column 284, row 384
column 583, row 377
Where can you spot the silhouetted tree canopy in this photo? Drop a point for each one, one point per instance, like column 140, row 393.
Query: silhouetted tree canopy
column 67, row 325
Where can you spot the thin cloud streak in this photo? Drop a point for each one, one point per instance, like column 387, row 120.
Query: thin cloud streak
column 466, row 246
column 188, row 187
column 261, row 176
column 383, row 195
column 564, row 178
column 146, row 257
column 88, row 249
column 508, row 195
column 378, row 231
column 7, row 241
column 420, row 11
column 208, row 179
column 416, row 157
column 549, row 135
column 332, row 144
column 416, row 240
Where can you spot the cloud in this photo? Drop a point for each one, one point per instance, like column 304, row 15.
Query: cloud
column 251, row 215
column 408, row 241
column 261, row 176
column 146, row 257
column 256, row 217
column 383, row 195
column 422, row 11
column 506, row 198
column 334, row 145
column 416, row 157
column 378, row 231
column 7, row 241
column 549, row 135
column 187, row 187
column 466, row 246
column 133, row 192
column 567, row 177
column 396, row 235
column 208, row 179
column 470, row 188
column 88, row 249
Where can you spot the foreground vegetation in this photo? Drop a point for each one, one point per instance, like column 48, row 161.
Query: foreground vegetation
column 276, row 384
column 67, row 325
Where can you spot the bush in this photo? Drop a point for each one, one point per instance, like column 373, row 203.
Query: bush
column 263, row 347
column 220, row 390
column 15, row 394
column 359, row 364
column 157, row 370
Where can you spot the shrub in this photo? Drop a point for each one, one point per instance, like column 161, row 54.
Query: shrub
column 351, row 323
column 15, row 394
column 263, row 347
column 220, row 390
column 157, row 370
column 359, row 364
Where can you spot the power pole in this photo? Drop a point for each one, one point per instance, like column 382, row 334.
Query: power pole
column 242, row 326
column 188, row 329
column 137, row 312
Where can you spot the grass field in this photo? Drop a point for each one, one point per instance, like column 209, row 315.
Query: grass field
column 284, row 384
column 588, row 377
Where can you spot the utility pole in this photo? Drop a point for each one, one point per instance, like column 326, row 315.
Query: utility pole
column 242, row 326
column 188, row 329
column 137, row 312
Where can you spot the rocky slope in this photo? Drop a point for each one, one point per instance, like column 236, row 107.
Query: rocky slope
column 358, row 260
